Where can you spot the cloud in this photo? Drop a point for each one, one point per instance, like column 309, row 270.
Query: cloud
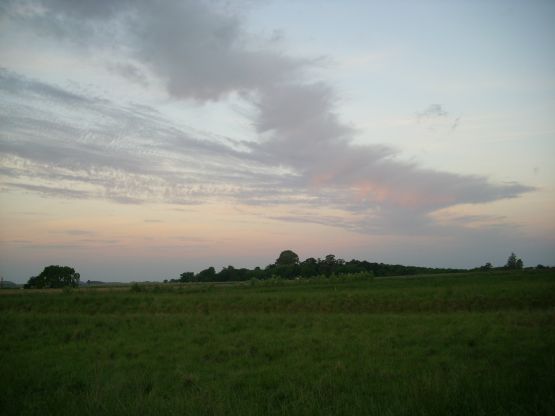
column 307, row 135
column 433, row 111
column 123, row 154
column 163, row 163
column 436, row 118
column 455, row 123
column 13, row 83
column 75, row 232
column 200, row 51
column 50, row 190
column 130, row 71
column 327, row 220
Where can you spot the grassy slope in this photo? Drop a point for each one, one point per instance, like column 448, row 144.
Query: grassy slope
column 462, row 344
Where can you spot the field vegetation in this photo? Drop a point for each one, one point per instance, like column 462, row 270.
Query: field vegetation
column 457, row 344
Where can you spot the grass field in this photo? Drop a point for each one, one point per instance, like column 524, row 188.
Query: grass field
column 465, row 344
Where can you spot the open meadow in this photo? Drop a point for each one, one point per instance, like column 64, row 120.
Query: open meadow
column 461, row 344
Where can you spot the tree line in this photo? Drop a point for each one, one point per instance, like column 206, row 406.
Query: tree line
column 288, row 266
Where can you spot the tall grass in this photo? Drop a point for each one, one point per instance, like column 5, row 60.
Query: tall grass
column 466, row 345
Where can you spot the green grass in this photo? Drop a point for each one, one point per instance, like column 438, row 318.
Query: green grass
column 465, row 344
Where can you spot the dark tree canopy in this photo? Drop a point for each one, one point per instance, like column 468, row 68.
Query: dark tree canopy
column 486, row 267
column 207, row 275
column 513, row 263
column 287, row 258
column 54, row 276
column 288, row 266
column 187, row 277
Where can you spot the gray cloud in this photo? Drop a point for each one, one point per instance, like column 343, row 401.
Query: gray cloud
column 130, row 71
column 99, row 241
column 145, row 160
column 307, row 135
column 433, row 111
column 327, row 220
column 467, row 219
column 13, row 84
column 199, row 49
column 75, row 232
column 455, row 123
column 210, row 58
column 50, row 190
column 305, row 154
column 435, row 117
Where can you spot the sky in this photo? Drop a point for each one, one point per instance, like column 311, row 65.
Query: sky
column 141, row 139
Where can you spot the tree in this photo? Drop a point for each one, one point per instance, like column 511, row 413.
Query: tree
column 486, row 267
column 207, row 275
column 309, row 267
column 227, row 274
column 54, row 276
column 513, row 263
column 287, row 258
column 328, row 265
column 187, row 277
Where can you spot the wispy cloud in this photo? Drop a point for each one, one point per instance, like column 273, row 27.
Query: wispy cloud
column 304, row 156
column 436, row 118
column 75, row 232
column 433, row 111
column 455, row 123
column 130, row 71
column 49, row 190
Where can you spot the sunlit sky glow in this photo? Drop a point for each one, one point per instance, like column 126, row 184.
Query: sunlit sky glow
column 142, row 139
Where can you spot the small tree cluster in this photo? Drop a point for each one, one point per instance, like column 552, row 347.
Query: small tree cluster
column 514, row 263
column 53, row 277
